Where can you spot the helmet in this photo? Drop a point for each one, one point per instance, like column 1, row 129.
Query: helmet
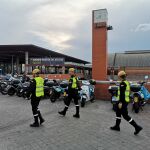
column 35, row 71
column 71, row 69
column 121, row 73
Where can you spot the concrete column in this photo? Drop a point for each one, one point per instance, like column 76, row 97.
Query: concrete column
column 26, row 61
column 17, row 65
column 12, row 64
column 63, row 69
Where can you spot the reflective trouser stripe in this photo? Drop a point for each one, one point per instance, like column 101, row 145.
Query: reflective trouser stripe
column 130, row 120
column 35, row 115
column 39, row 91
column 39, row 86
column 77, row 105
column 118, row 117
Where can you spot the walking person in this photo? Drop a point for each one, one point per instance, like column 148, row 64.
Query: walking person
column 123, row 100
column 73, row 89
column 36, row 90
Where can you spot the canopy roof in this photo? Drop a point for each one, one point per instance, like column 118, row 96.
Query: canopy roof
column 7, row 51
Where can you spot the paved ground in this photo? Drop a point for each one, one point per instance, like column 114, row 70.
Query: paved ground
column 90, row 132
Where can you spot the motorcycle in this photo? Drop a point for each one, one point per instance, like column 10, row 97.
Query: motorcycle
column 12, row 87
column 59, row 91
column 139, row 96
column 87, row 92
column 113, row 90
column 48, row 84
column 22, row 89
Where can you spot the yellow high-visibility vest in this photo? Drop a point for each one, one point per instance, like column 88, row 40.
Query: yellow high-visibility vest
column 39, row 86
column 127, row 92
column 74, row 83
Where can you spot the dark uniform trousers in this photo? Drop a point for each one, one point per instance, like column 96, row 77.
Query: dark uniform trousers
column 123, row 112
column 73, row 94
column 35, row 103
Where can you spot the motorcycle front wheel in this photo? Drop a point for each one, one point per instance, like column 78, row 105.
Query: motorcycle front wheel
column 52, row 97
column 83, row 102
column 11, row 92
column 92, row 99
column 4, row 91
column 19, row 93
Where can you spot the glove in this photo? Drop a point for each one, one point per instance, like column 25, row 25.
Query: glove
column 120, row 105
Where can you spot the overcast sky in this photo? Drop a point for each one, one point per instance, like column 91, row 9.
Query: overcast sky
column 65, row 25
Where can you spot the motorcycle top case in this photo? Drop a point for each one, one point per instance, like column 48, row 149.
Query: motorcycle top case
column 15, row 81
column 113, row 88
column 49, row 83
column 135, row 87
column 64, row 84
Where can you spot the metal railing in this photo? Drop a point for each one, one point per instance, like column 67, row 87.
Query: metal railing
column 111, row 82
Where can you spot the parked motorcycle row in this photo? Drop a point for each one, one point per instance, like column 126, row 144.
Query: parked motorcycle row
column 54, row 90
column 138, row 97
column 60, row 91
column 14, row 86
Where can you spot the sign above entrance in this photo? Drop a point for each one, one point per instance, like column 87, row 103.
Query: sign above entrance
column 100, row 15
column 47, row 61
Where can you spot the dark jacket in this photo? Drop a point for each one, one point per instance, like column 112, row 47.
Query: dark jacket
column 32, row 89
column 122, row 91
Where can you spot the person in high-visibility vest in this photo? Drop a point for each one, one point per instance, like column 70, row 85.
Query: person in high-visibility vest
column 123, row 100
column 36, row 90
column 73, row 89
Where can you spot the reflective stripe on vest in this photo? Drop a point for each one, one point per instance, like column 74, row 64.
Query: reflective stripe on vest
column 127, row 92
column 74, row 83
column 39, row 86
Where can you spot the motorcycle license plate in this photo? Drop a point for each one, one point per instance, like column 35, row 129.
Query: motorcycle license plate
column 135, row 99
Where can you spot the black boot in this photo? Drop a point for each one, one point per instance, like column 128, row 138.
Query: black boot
column 40, row 117
column 63, row 113
column 36, row 122
column 77, row 115
column 117, row 126
column 137, row 127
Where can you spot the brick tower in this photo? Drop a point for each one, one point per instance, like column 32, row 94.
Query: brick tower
column 99, row 49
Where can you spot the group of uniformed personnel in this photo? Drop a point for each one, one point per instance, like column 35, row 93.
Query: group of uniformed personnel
column 36, row 90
